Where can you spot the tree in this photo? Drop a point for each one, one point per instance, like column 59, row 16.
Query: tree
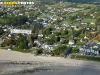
column 1, row 13
column 75, row 50
column 47, row 31
column 22, row 20
column 64, row 32
column 60, row 50
column 52, row 38
column 97, row 21
column 38, row 51
column 21, row 43
column 57, row 39
column 9, row 42
column 1, row 31
column 50, row 42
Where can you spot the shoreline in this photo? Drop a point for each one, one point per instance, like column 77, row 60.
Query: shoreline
column 16, row 62
column 19, row 56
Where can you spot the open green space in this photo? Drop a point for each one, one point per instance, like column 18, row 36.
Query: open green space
column 85, row 10
column 67, row 21
column 88, row 20
column 44, row 15
column 88, row 58
column 75, row 13
column 4, row 20
column 87, row 5
column 92, row 26
column 24, row 51
column 90, row 5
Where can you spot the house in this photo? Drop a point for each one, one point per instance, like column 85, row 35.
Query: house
column 40, row 35
column 71, row 42
column 39, row 43
column 89, row 50
column 49, row 47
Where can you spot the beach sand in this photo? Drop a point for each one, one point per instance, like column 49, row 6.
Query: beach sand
column 65, row 65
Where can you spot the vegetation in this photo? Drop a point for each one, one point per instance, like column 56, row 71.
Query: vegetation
column 21, row 43
column 75, row 50
column 38, row 51
column 61, row 50
column 57, row 21
column 1, row 31
column 88, row 58
column 24, row 51
column 88, row 20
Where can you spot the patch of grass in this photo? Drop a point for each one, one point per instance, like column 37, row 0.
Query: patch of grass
column 24, row 51
column 80, row 43
column 74, row 13
column 86, row 10
column 44, row 15
column 88, row 20
column 4, row 20
column 67, row 21
column 89, row 58
column 87, row 5
column 92, row 26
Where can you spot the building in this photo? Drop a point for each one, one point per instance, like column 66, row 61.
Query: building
column 71, row 42
column 89, row 50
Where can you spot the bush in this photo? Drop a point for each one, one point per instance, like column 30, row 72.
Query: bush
column 75, row 50
column 21, row 50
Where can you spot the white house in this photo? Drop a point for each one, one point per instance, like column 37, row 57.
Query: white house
column 38, row 42
column 71, row 42
column 40, row 35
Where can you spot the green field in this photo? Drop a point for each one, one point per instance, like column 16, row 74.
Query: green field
column 92, row 26
column 4, row 20
column 86, row 10
column 88, row 20
column 87, row 5
column 44, row 15
column 23, row 51
column 67, row 21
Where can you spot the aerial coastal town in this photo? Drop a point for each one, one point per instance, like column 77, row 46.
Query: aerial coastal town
column 54, row 33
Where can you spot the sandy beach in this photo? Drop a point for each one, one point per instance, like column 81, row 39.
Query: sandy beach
column 67, row 65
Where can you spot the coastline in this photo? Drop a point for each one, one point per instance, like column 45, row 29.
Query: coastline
column 16, row 62
column 19, row 56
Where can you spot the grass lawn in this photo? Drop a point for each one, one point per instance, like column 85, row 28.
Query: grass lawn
column 44, row 15
column 90, row 5
column 87, row 5
column 75, row 13
column 4, row 20
column 86, row 10
column 23, row 51
column 88, row 20
column 67, row 21
column 92, row 26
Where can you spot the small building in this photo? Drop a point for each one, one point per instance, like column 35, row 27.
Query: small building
column 71, row 42
column 40, row 35
column 89, row 50
column 39, row 43
column 50, row 47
